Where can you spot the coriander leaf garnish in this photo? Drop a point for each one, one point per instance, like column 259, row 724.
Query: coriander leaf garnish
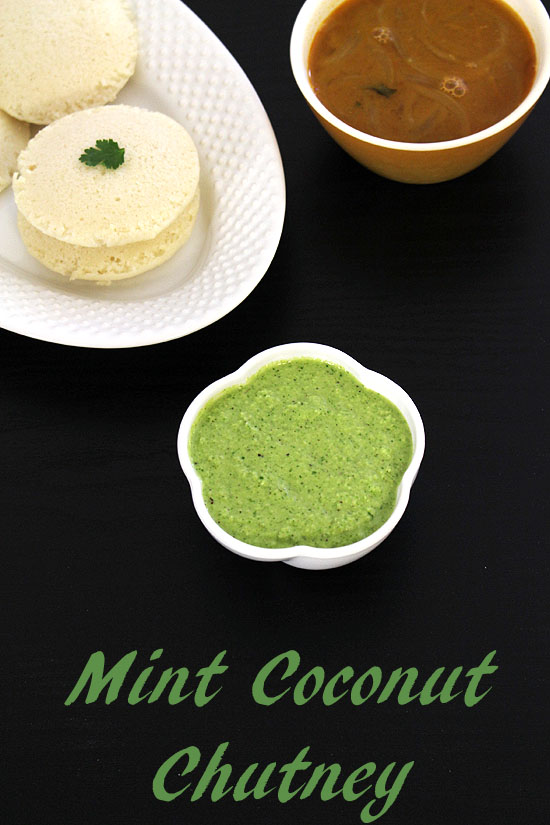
column 382, row 89
column 107, row 152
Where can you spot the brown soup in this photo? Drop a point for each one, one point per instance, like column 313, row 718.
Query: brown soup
column 422, row 70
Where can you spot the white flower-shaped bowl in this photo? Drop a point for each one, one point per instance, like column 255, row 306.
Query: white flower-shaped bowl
column 312, row 558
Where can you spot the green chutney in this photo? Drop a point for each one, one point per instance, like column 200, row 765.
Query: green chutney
column 301, row 453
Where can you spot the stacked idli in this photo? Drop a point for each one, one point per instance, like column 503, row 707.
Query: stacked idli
column 105, row 224
column 60, row 56
column 14, row 136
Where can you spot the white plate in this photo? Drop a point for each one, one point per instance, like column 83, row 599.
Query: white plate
column 184, row 71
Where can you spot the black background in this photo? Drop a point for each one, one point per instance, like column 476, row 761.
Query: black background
column 442, row 288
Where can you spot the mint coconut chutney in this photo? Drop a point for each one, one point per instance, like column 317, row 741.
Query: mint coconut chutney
column 301, row 453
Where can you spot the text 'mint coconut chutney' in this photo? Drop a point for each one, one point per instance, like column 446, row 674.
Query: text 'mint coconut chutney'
column 301, row 453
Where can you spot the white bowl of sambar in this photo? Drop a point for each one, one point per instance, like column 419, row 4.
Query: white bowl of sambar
column 421, row 91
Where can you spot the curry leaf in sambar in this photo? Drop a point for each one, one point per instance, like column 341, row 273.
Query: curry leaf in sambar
column 382, row 89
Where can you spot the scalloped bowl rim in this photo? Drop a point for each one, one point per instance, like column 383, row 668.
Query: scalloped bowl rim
column 298, row 61
column 367, row 377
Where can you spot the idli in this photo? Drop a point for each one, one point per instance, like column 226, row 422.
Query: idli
column 60, row 56
column 62, row 197
column 14, row 136
column 108, row 263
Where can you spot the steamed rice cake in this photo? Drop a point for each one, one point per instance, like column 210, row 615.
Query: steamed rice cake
column 100, row 223
column 95, row 206
column 109, row 263
column 60, row 56
column 14, row 136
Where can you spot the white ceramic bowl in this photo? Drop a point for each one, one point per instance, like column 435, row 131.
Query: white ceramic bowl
column 312, row 558
column 419, row 162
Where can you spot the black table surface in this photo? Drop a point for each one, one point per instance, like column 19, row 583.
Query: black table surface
column 443, row 288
